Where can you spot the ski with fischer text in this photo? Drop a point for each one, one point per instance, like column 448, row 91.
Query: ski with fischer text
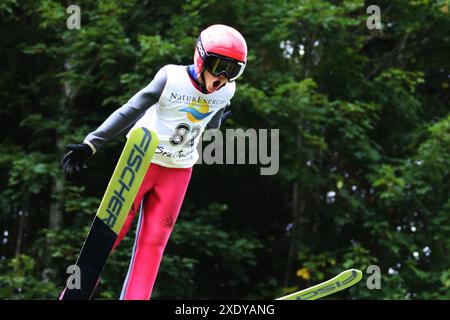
column 342, row 281
column 114, row 207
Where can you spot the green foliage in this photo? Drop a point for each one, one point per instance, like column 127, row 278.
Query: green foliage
column 19, row 280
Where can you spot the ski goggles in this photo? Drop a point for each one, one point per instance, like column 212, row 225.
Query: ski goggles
column 219, row 65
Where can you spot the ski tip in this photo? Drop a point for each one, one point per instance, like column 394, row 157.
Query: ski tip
column 355, row 272
column 343, row 280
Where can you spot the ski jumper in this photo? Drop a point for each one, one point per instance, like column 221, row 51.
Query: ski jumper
column 173, row 107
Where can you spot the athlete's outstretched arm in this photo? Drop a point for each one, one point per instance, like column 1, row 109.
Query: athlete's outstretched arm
column 124, row 117
column 128, row 114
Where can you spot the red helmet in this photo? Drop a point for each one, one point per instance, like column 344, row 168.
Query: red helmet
column 221, row 50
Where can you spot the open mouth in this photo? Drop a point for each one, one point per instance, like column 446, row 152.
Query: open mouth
column 216, row 84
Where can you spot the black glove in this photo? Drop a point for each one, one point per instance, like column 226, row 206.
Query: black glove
column 75, row 159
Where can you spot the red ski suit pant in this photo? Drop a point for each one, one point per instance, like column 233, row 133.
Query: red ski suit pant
column 159, row 198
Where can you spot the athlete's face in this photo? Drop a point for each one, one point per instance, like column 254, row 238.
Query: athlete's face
column 212, row 82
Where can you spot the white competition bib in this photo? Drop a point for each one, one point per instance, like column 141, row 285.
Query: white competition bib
column 180, row 117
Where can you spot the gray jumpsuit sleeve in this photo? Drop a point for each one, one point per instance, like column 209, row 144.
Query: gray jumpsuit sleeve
column 216, row 120
column 129, row 113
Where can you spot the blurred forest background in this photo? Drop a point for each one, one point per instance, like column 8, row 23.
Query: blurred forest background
column 364, row 145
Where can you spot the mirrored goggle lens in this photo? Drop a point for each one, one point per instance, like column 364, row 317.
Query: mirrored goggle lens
column 230, row 68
